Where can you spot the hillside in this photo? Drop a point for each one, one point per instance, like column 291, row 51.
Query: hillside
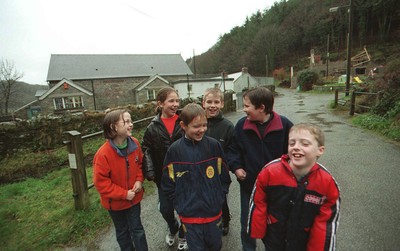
column 23, row 94
column 283, row 36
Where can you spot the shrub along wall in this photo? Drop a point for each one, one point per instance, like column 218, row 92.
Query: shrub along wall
column 48, row 133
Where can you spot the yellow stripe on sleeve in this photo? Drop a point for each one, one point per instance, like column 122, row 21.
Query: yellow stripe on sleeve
column 171, row 172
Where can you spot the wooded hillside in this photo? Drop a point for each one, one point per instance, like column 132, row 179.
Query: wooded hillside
column 286, row 32
column 24, row 93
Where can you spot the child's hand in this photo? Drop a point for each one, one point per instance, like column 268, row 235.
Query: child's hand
column 240, row 174
column 131, row 194
column 137, row 187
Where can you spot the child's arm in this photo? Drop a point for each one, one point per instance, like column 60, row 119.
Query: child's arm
column 257, row 222
column 234, row 154
column 229, row 137
column 140, row 173
column 168, row 178
column 103, row 182
column 148, row 167
column 224, row 176
column 323, row 231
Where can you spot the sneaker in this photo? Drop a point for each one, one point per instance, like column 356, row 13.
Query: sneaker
column 182, row 244
column 170, row 239
column 225, row 229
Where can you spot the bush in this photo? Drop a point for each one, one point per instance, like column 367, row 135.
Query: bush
column 389, row 87
column 306, row 79
column 285, row 84
column 279, row 74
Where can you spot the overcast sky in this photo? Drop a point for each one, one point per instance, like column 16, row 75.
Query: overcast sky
column 32, row 30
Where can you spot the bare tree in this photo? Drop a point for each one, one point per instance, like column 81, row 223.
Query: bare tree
column 9, row 76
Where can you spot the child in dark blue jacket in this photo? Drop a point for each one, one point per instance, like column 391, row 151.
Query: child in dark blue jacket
column 196, row 178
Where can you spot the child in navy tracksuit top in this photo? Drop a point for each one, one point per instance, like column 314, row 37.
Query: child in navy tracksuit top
column 196, row 178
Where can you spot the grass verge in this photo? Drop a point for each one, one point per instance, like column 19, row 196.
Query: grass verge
column 39, row 213
column 389, row 128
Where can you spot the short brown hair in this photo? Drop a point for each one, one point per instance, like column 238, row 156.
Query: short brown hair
column 261, row 96
column 214, row 91
column 191, row 111
column 109, row 122
column 313, row 129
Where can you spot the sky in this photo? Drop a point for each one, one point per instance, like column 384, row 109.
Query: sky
column 32, row 30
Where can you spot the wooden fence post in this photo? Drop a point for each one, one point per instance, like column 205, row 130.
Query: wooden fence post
column 78, row 172
column 353, row 103
column 336, row 97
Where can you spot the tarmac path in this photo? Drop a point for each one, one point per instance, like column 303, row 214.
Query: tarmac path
column 366, row 167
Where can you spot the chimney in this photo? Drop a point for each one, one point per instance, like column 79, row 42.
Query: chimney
column 245, row 70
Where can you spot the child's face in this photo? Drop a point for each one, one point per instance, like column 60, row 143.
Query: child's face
column 253, row 113
column 212, row 105
column 124, row 126
column 303, row 149
column 170, row 106
column 196, row 128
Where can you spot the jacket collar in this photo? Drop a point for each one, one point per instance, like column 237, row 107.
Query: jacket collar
column 132, row 146
column 285, row 161
column 274, row 125
column 217, row 118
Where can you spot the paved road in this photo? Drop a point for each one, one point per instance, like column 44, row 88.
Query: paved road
column 365, row 166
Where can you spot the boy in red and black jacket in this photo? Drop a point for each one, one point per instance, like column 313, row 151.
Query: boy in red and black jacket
column 295, row 202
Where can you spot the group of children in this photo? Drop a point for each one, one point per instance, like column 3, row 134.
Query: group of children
column 287, row 198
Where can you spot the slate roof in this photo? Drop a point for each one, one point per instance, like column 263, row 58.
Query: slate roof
column 98, row 66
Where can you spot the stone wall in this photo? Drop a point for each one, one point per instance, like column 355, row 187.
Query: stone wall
column 44, row 133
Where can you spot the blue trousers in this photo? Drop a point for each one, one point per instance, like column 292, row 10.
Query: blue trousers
column 204, row 237
column 167, row 212
column 248, row 243
column 129, row 229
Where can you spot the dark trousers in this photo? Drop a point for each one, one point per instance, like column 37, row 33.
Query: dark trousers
column 129, row 229
column 167, row 212
column 226, row 215
column 204, row 237
column 248, row 243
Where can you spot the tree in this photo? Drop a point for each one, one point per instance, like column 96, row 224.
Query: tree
column 9, row 76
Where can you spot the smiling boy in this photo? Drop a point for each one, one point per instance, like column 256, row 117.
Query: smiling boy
column 295, row 202
column 260, row 137
column 222, row 130
column 196, row 178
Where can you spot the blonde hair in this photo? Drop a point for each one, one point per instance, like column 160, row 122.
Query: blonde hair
column 214, row 91
column 313, row 129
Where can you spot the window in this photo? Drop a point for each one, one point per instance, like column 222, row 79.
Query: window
column 68, row 102
column 151, row 94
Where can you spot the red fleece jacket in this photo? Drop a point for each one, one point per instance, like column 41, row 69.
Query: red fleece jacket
column 114, row 174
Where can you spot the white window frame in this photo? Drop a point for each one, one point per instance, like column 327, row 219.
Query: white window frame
column 151, row 93
column 72, row 102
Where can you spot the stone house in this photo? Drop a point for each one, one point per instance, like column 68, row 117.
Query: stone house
column 79, row 82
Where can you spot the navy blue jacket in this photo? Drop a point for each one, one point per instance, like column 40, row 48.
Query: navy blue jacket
column 196, row 178
column 251, row 151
